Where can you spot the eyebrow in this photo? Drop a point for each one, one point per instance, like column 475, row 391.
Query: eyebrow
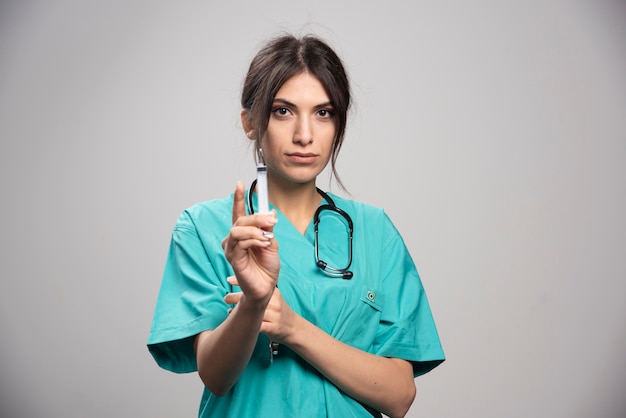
column 288, row 103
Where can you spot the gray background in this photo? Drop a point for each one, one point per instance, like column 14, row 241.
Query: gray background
column 493, row 132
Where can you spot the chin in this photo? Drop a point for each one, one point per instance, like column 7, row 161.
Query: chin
column 300, row 177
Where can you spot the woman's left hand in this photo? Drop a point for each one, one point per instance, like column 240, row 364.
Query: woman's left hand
column 279, row 319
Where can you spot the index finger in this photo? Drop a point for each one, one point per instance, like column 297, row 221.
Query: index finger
column 239, row 206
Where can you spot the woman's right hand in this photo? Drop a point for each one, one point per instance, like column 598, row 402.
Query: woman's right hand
column 252, row 250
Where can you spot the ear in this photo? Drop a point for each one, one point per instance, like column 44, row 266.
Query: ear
column 247, row 124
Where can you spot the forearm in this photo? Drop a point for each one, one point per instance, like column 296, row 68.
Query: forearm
column 223, row 353
column 386, row 384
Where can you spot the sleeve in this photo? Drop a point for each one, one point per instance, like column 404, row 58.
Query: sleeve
column 407, row 329
column 190, row 299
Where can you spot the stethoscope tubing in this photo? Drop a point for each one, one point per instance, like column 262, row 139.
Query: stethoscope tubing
column 343, row 273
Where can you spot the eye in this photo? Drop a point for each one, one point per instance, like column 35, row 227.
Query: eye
column 281, row 111
column 325, row 113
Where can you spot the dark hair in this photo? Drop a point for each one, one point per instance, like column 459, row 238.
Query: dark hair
column 284, row 57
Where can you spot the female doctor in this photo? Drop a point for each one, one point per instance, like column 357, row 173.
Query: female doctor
column 334, row 322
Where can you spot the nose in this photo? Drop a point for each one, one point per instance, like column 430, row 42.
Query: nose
column 304, row 131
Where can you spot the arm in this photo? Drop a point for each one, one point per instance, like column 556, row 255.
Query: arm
column 223, row 353
column 386, row 384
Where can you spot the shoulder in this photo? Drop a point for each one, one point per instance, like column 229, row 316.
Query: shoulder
column 361, row 210
column 353, row 205
column 373, row 219
column 216, row 211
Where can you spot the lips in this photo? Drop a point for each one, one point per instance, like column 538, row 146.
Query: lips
column 302, row 157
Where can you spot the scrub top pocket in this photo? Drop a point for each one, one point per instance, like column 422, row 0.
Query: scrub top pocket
column 360, row 321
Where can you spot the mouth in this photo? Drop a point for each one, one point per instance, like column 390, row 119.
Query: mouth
column 302, row 157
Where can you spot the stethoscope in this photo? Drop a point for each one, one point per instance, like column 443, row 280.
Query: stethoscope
column 343, row 273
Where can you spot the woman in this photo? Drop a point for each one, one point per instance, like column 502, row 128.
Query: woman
column 334, row 323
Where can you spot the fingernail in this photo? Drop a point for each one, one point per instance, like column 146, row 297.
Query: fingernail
column 268, row 235
column 230, row 279
column 272, row 219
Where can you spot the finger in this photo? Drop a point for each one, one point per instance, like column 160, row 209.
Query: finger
column 239, row 206
column 260, row 220
column 247, row 244
column 241, row 233
column 232, row 280
column 233, row 298
column 271, row 220
column 244, row 238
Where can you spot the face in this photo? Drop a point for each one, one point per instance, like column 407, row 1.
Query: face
column 298, row 142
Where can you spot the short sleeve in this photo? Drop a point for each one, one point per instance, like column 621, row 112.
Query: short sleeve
column 190, row 299
column 407, row 329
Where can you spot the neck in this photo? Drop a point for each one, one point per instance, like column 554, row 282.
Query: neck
column 297, row 201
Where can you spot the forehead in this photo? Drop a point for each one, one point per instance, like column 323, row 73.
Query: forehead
column 303, row 87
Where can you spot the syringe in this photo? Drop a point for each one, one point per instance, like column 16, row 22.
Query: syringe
column 261, row 184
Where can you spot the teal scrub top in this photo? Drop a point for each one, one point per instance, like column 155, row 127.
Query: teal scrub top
column 383, row 309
